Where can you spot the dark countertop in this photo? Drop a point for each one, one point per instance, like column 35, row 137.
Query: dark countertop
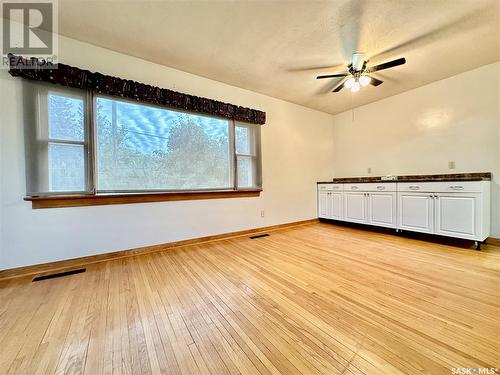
column 482, row 176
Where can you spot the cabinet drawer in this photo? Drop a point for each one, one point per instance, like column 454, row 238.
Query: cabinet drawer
column 330, row 187
column 444, row 187
column 371, row 186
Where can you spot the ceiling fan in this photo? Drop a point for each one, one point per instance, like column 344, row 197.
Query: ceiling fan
column 357, row 74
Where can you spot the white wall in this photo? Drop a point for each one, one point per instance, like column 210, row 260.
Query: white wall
column 420, row 131
column 297, row 146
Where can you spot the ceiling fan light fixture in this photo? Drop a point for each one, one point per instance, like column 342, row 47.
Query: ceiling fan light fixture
column 355, row 86
column 364, row 80
column 350, row 82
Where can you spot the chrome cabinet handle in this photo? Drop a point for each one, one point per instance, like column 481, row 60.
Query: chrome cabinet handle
column 414, row 187
column 354, row 188
column 457, row 187
column 380, row 187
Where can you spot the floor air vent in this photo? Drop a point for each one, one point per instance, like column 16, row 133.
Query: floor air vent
column 60, row 274
column 259, row 236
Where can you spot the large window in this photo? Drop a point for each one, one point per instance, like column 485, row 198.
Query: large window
column 141, row 147
column 79, row 143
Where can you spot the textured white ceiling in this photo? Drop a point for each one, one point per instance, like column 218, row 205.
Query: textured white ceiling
column 278, row 47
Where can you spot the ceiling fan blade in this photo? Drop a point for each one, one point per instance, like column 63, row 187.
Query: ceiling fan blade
column 374, row 81
column 317, row 67
column 353, row 14
column 333, row 75
column 339, row 85
column 387, row 65
column 466, row 24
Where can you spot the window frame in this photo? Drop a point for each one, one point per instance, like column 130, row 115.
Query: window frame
column 90, row 155
column 231, row 140
column 253, row 155
column 40, row 102
column 88, row 139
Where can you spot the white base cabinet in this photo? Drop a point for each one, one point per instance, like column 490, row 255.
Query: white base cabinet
column 453, row 209
column 458, row 215
column 330, row 202
column 382, row 209
column 416, row 212
column 368, row 203
column 355, row 207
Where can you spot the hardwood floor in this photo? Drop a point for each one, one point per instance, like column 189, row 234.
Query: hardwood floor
column 306, row 300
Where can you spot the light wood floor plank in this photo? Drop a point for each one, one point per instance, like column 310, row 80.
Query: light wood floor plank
column 314, row 299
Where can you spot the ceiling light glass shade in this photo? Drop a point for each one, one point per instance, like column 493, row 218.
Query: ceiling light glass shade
column 349, row 83
column 364, row 80
column 355, row 86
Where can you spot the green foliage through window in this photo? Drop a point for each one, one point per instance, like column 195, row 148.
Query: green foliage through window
column 147, row 148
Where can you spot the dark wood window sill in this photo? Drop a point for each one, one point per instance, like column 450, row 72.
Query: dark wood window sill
column 76, row 200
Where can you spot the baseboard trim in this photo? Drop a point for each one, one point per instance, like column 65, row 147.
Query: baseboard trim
column 63, row 265
column 493, row 241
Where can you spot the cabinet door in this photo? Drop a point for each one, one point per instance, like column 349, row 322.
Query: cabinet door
column 382, row 209
column 324, row 204
column 416, row 212
column 355, row 207
column 336, row 201
column 458, row 215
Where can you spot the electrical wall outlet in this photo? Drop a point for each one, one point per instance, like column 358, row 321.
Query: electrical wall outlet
column 369, row 170
column 451, row 165
column 262, row 213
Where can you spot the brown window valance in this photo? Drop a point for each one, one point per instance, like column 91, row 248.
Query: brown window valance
column 71, row 76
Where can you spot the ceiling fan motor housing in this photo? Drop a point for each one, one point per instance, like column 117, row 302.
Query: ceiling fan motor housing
column 358, row 61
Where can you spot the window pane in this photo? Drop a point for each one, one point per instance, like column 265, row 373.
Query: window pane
column 143, row 147
column 66, row 167
column 245, row 172
column 242, row 140
column 66, row 118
